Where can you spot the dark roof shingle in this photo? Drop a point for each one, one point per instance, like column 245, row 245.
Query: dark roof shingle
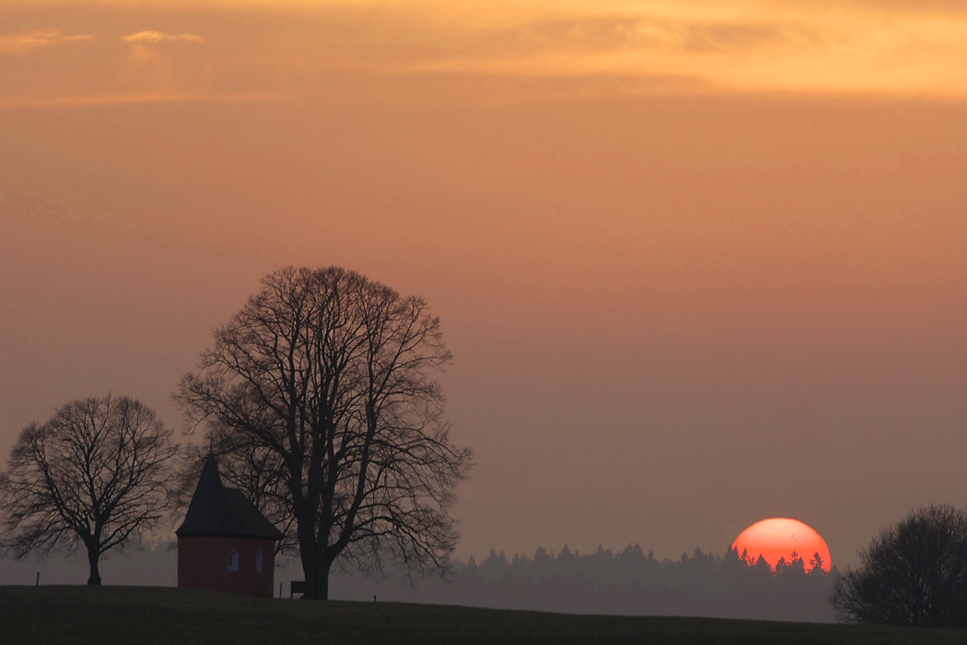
column 224, row 512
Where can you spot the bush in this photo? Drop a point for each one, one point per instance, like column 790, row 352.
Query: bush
column 913, row 573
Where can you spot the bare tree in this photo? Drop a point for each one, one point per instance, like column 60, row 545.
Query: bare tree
column 913, row 573
column 321, row 396
column 93, row 476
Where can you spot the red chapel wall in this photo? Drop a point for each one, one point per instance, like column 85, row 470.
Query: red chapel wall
column 203, row 563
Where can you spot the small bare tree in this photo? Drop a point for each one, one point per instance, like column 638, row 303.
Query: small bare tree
column 321, row 397
column 912, row 574
column 94, row 476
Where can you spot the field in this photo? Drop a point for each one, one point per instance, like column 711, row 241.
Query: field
column 109, row 615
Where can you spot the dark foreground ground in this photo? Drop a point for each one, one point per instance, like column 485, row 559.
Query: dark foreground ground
column 111, row 615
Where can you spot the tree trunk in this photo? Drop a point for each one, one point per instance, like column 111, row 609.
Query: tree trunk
column 309, row 571
column 316, row 571
column 93, row 558
column 322, row 582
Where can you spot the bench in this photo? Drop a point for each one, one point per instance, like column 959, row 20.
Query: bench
column 297, row 586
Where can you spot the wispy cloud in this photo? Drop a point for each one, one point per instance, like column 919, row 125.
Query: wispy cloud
column 24, row 42
column 834, row 45
column 299, row 46
column 146, row 37
column 76, row 101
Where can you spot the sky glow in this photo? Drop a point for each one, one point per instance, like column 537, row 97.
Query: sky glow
column 679, row 249
column 896, row 48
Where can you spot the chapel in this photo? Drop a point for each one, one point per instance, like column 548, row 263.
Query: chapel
column 225, row 543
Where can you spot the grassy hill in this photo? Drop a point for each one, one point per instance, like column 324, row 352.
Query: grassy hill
column 108, row 615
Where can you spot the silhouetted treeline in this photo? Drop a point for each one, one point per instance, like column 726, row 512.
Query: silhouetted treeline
column 626, row 582
column 603, row 582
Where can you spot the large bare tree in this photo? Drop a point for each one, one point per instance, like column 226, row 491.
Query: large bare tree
column 94, row 476
column 321, row 394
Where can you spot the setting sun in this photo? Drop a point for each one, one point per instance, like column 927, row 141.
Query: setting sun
column 782, row 538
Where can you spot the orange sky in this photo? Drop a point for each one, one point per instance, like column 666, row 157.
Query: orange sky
column 56, row 51
column 700, row 263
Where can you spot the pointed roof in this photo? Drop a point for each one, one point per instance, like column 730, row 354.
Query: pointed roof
column 224, row 512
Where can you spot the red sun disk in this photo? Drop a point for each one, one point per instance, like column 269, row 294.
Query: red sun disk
column 781, row 537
